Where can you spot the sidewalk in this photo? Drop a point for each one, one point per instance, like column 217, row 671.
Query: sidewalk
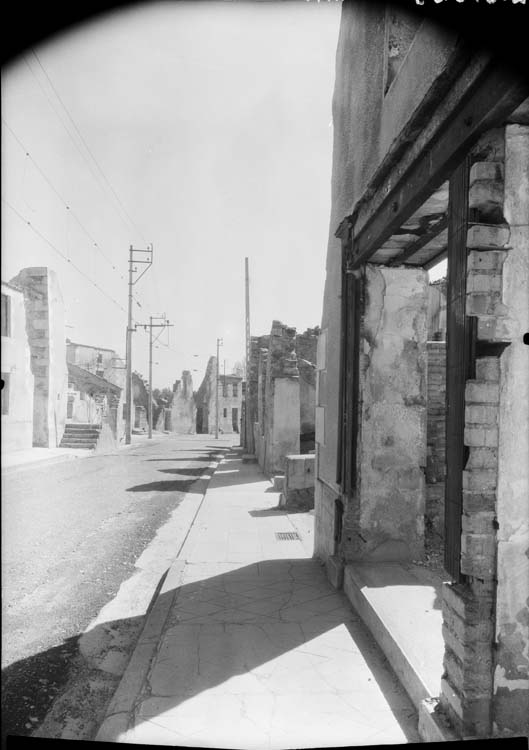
column 40, row 456
column 249, row 646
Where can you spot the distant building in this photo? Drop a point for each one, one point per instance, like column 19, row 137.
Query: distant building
column 230, row 390
column 45, row 335
column 183, row 411
column 17, row 377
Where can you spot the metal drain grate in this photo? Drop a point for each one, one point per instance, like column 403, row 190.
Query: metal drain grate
column 284, row 536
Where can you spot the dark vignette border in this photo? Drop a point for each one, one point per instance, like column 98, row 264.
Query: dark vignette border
column 498, row 26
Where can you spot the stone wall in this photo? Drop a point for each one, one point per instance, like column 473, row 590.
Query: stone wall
column 281, row 403
column 47, row 341
column 435, row 442
column 17, row 422
column 385, row 520
column 298, row 484
column 486, row 620
column 183, row 407
column 306, row 351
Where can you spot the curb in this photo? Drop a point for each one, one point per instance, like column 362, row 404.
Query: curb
column 40, row 462
column 121, row 708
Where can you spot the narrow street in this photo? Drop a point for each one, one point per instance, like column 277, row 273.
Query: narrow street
column 73, row 534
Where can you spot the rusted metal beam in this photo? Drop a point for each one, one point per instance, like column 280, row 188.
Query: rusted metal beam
column 487, row 104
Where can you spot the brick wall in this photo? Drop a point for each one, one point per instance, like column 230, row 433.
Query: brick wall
column 469, row 608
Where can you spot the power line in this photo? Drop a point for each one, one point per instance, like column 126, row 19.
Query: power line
column 69, row 133
column 85, row 144
column 59, row 196
column 65, row 257
column 65, row 203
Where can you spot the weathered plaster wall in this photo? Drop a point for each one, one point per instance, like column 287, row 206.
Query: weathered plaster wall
column 183, row 407
column 282, row 431
column 58, row 370
column 307, row 396
column 306, row 351
column 367, row 123
column 386, row 522
column 436, row 441
column 511, row 674
column 281, row 401
column 46, row 335
column 257, row 343
column 17, row 424
column 298, row 485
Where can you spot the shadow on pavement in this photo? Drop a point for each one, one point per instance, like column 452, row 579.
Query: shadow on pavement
column 233, row 623
column 221, row 627
column 193, row 472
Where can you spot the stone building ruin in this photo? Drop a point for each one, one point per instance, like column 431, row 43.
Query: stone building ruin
column 431, row 161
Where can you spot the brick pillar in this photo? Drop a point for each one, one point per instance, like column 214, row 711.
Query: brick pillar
column 470, row 608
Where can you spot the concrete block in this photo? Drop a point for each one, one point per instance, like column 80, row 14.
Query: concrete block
column 485, row 303
column 487, row 235
column 486, row 260
column 483, row 458
column 486, row 170
column 486, row 196
column 488, row 369
column 477, row 550
column 479, row 414
column 477, row 436
column 475, row 564
column 483, row 282
column 492, row 328
column 478, row 523
column 480, row 480
column 479, row 392
column 475, row 502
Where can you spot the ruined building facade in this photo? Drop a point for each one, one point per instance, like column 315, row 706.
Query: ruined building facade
column 221, row 392
column 281, row 395
column 183, row 410
column 431, row 161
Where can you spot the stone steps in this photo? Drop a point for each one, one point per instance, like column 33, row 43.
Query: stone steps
column 80, row 436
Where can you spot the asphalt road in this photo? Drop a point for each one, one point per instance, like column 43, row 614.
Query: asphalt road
column 71, row 533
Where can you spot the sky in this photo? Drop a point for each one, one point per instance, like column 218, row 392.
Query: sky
column 204, row 129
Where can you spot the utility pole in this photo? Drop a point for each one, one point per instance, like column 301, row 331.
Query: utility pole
column 128, row 384
column 248, row 435
column 219, row 344
column 150, row 325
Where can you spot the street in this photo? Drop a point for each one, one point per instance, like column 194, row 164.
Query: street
column 73, row 534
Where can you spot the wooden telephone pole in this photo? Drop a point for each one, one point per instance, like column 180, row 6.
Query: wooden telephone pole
column 128, row 385
column 150, row 325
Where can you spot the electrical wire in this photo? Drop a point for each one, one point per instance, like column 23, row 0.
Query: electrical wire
column 63, row 201
column 65, row 204
column 85, row 144
column 62, row 255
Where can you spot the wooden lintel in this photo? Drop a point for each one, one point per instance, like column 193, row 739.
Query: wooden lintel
column 486, row 105
column 420, row 242
column 435, row 260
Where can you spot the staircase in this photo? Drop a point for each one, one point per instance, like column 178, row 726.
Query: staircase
column 80, row 435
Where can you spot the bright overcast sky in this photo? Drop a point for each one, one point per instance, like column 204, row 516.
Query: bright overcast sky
column 210, row 126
